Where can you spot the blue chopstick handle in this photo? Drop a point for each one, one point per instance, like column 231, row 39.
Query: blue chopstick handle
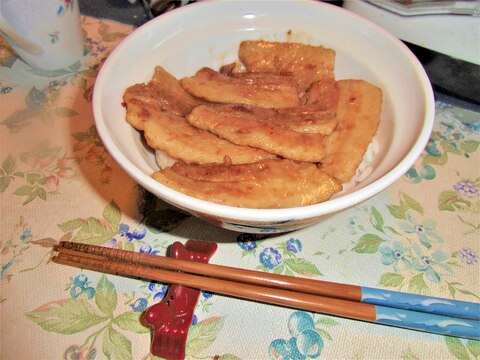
column 427, row 304
column 432, row 323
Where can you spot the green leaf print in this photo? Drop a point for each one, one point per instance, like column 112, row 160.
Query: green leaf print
column 326, row 321
column 453, row 287
column 39, row 103
column 397, row 211
column 456, row 348
column 112, row 214
column 406, row 203
column 106, row 296
column 68, row 316
column 302, row 267
column 473, row 346
column 368, row 243
column 448, row 147
column 108, row 36
column 31, row 192
column 4, row 182
column 411, row 203
column 65, row 112
column 203, row 334
column 324, row 334
column 418, row 285
column 470, row 146
column 116, row 346
column 429, row 159
column 81, row 136
column 32, row 178
column 228, row 357
column 9, row 165
column 451, row 200
column 39, row 192
column 130, row 321
column 71, row 225
column 76, row 315
column 19, row 119
column 24, row 190
column 95, row 231
column 377, row 219
column 391, row 280
column 35, row 98
column 45, row 168
column 6, row 171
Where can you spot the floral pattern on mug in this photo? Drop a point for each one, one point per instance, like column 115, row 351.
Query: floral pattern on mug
column 67, row 5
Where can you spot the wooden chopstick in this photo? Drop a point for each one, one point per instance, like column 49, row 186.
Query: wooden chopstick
column 435, row 305
column 332, row 306
column 246, row 291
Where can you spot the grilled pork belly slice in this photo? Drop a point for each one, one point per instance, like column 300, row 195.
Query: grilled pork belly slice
column 264, row 185
column 174, row 136
column 303, row 119
column 358, row 115
column 161, row 93
column 265, row 91
column 238, row 124
column 306, row 62
column 323, row 93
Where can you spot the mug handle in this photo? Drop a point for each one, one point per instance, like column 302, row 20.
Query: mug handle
column 9, row 31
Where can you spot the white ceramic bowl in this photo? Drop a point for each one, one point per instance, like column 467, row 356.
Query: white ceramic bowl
column 207, row 33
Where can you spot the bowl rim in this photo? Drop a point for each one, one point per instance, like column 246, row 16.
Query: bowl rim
column 256, row 215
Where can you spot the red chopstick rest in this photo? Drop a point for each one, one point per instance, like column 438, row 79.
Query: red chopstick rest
column 170, row 319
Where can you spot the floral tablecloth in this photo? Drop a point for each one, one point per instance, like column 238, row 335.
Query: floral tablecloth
column 57, row 182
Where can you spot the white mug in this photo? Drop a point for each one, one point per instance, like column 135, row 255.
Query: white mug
column 46, row 34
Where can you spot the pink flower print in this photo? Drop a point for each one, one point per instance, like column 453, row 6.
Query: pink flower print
column 66, row 163
column 51, row 183
column 80, row 352
column 66, row 173
column 95, row 156
column 66, row 167
column 54, row 37
column 42, row 162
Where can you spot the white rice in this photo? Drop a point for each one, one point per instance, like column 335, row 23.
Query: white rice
column 365, row 168
column 164, row 160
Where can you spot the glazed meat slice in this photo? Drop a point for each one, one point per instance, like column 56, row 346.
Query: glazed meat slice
column 220, row 172
column 263, row 185
column 358, row 115
column 239, row 125
column 264, row 91
column 307, row 63
column 230, row 69
column 162, row 93
column 174, row 136
column 303, row 119
column 306, row 119
column 323, row 93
